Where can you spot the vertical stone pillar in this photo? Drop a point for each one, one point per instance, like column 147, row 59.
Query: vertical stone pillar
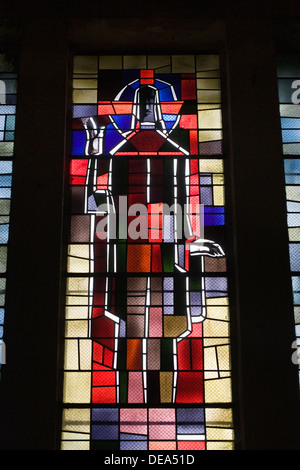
column 29, row 382
column 263, row 311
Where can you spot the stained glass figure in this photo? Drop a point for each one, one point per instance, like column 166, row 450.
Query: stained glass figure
column 147, row 187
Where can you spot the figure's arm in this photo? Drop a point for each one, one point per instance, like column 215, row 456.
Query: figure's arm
column 196, row 244
column 98, row 194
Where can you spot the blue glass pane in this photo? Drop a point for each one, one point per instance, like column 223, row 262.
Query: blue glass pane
column 292, row 179
column 190, row 429
column 123, row 121
column 112, row 139
column 186, row 415
column 102, row 414
column 214, row 209
column 169, row 117
column 295, row 256
column 205, row 179
column 214, row 219
column 206, row 195
column 296, row 283
column 79, row 140
column 5, row 166
column 290, row 123
column 9, row 136
column 291, row 136
column 293, row 220
column 4, row 231
column 216, row 283
column 10, row 123
column 293, row 206
column 133, row 445
column 132, row 437
column 5, row 181
column 1, row 316
column 84, row 110
column 7, row 109
column 292, row 166
column 5, row 193
column 105, row 431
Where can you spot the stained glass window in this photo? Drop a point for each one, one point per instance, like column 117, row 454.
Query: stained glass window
column 289, row 99
column 147, row 347
column 8, row 95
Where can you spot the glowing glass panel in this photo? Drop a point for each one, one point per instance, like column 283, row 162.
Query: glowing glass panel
column 147, row 347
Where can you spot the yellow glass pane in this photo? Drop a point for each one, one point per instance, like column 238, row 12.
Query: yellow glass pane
column 77, row 300
column 204, row 107
column 215, row 341
column 209, row 96
column 222, row 445
column 5, row 206
column 3, row 259
column 71, row 355
column 297, row 314
column 85, row 354
column 76, row 265
column 210, row 119
column 225, row 373
column 216, row 312
column 7, row 149
column 84, row 96
column 76, row 313
column 110, row 62
column 210, row 359
column 293, row 193
column 77, row 387
column 85, row 64
column 294, row 234
column 211, row 165
column 218, row 179
column 78, row 285
column 215, row 328
column 211, row 375
column 218, row 390
column 183, row 64
column 84, row 83
column 166, row 387
column 208, row 84
column 219, row 195
column 219, row 434
column 174, row 325
column 70, row 436
column 217, row 301
column 207, row 136
column 78, row 259
column 76, row 328
column 75, row 445
column 209, row 74
column 135, row 62
column 291, row 149
column 161, row 62
column 219, row 417
column 207, row 62
column 223, row 357
column 289, row 110
column 76, row 420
